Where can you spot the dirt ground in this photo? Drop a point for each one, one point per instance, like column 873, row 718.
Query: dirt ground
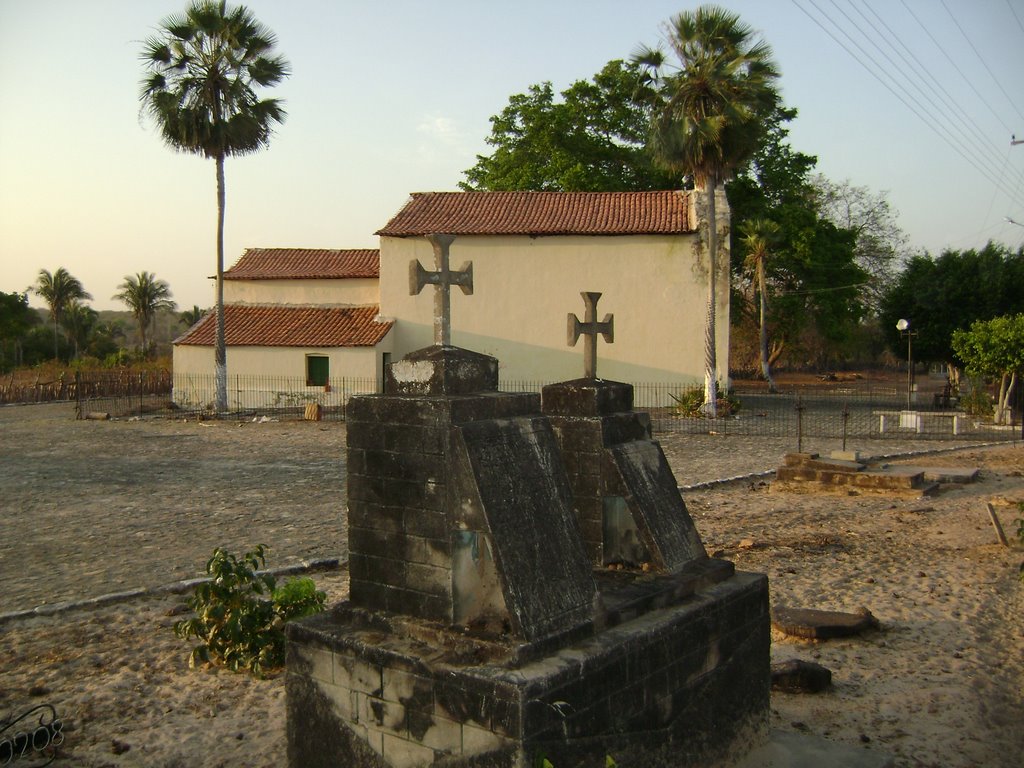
column 96, row 507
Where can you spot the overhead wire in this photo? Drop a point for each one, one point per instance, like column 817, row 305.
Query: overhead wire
column 982, row 60
column 970, row 126
column 966, row 140
column 988, row 168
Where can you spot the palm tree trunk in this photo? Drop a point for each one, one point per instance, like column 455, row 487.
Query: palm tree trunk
column 220, row 350
column 710, row 354
column 765, row 367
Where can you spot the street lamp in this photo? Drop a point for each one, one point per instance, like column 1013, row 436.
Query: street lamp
column 903, row 326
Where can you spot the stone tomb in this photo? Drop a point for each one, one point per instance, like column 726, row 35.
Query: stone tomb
column 477, row 634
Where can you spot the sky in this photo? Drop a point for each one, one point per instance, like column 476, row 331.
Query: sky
column 916, row 99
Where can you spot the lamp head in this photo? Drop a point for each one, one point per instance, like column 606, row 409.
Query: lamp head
column 902, row 325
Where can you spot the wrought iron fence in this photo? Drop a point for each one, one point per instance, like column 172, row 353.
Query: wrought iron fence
column 836, row 412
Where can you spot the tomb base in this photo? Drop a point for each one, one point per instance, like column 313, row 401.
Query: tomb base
column 675, row 671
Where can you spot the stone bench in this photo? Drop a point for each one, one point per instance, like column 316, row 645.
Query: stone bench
column 916, row 420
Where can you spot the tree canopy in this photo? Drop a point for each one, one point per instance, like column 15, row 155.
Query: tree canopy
column 941, row 295
column 593, row 139
column 994, row 348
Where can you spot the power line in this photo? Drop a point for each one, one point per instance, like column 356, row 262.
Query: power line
column 981, row 163
column 982, row 60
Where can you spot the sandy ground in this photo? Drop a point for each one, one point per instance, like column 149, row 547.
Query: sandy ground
column 938, row 685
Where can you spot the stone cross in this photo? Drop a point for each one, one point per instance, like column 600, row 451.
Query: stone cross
column 590, row 328
column 444, row 278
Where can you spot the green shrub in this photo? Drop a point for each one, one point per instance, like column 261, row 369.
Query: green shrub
column 240, row 613
column 977, row 402
column 690, row 402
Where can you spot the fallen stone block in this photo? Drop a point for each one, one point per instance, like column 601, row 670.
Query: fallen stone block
column 821, row 625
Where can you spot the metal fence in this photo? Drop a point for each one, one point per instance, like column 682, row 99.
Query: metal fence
column 129, row 390
column 835, row 412
column 863, row 411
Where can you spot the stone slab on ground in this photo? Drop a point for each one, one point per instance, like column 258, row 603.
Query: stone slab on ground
column 821, row 625
column 958, row 475
column 786, row 749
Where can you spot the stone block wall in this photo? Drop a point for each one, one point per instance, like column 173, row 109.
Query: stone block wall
column 671, row 688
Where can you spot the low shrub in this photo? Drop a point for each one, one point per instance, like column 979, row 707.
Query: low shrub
column 240, row 613
column 977, row 402
column 690, row 403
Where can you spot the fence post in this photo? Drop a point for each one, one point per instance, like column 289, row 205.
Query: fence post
column 799, row 424
column 846, row 419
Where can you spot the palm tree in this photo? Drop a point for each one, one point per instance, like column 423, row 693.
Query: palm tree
column 759, row 237
column 144, row 295
column 59, row 290
column 190, row 317
column 707, row 119
column 79, row 323
column 203, row 72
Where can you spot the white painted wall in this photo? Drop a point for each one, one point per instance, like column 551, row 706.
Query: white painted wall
column 356, row 292
column 275, row 376
column 655, row 285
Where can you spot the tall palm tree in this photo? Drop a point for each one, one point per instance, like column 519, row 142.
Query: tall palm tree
column 759, row 237
column 59, row 290
column 708, row 118
column 144, row 295
column 79, row 322
column 204, row 69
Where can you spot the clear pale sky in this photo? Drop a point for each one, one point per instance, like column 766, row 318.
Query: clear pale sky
column 393, row 97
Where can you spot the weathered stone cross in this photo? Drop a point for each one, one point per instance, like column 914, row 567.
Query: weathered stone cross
column 444, row 278
column 590, row 328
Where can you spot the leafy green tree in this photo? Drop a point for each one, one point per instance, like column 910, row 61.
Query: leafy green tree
column 144, row 295
column 592, row 140
column 707, row 119
column 16, row 318
column 59, row 290
column 204, row 71
column 994, row 348
column 939, row 296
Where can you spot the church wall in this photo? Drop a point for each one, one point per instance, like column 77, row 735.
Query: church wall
column 273, row 376
column 349, row 291
column 656, row 286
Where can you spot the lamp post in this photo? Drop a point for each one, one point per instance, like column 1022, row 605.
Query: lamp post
column 903, row 326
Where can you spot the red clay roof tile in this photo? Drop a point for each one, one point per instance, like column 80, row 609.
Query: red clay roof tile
column 542, row 213
column 262, row 326
column 305, row 263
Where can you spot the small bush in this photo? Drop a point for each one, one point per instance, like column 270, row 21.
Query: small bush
column 240, row 613
column 691, row 403
column 977, row 402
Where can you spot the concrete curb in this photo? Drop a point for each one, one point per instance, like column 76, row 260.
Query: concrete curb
column 175, row 587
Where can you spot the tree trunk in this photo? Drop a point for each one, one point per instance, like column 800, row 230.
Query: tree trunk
column 1003, row 412
column 710, row 352
column 765, row 367
column 220, row 348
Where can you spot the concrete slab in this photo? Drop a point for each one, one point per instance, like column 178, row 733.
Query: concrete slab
column 786, row 749
column 961, row 475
